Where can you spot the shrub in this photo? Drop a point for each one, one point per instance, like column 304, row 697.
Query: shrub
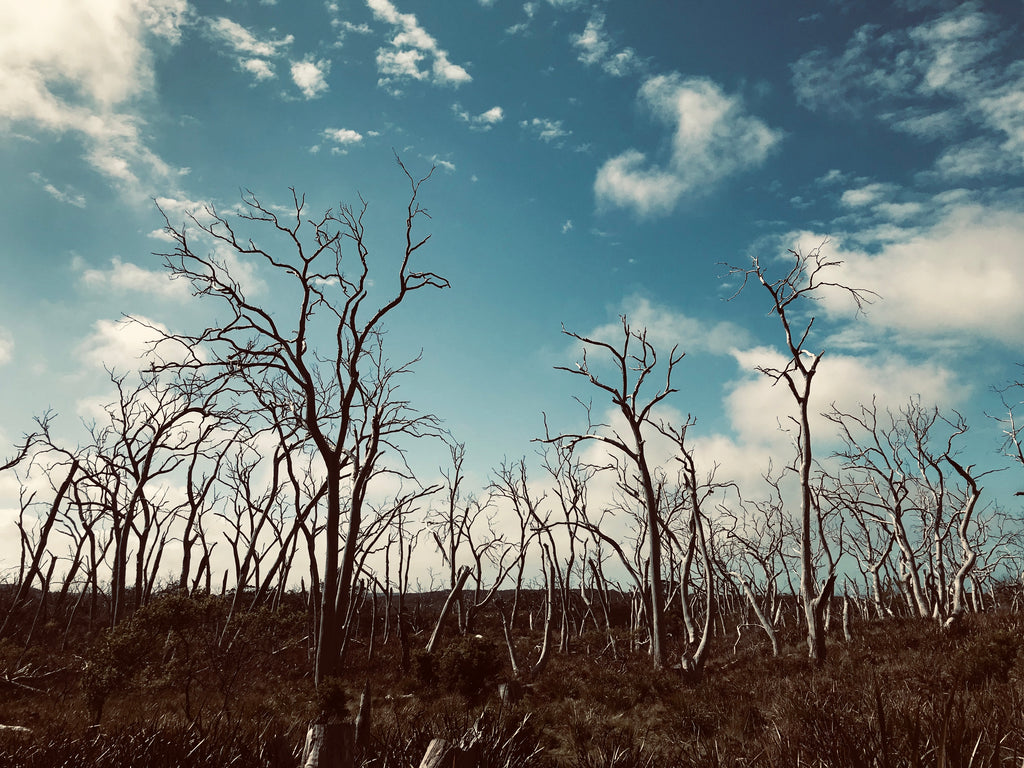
column 989, row 660
column 468, row 665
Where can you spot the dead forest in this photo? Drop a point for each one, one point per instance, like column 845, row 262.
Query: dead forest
column 228, row 569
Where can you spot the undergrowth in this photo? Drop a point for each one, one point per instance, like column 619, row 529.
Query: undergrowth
column 178, row 684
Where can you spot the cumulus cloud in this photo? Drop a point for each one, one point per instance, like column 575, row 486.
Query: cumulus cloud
column 130, row 278
column 126, row 344
column 258, row 68
column 954, row 76
column 712, row 137
column 760, row 413
column 958, row 277
column 72, row 68
column 411, row 48
column 342, row 136
column 310, row 75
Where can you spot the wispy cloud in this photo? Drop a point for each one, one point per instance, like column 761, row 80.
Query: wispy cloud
column 67, row 195
column 82, row 69
column 482, row 122
column 712, row 137
column 595, row 48
column 253, row 54
column 529, row 11
column 413, row 53
column 944, row 78
column 6, row 346
column 125, row 277
column 666, row 327
column 546, row 130
column 446, row 165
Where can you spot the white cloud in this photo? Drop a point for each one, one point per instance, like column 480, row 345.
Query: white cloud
column 759, row 412
column 713, row 137
column 258, row 68
column 567, row 226
column 310, row 75
column 482, row 122
column 865, row 195
column 592, row 42
column 667, row 327
column 245, row 43
column 595, row 48
column 73, row 67
column 342, row 136
column 448, row 73
column 445, row 165
column 628, row 181
column 6, row 346
column 945, row 78
column 131, row 278
column 492, row 116
column 977, row 158
column 623, row 63
column 756, row 406
column 125, row 345
column 546, row 130
column 67, row 195
column 959, row 277
column 410, row 46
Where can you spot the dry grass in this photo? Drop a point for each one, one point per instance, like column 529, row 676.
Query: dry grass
column 175, row 693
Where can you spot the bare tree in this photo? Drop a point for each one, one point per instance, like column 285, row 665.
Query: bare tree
column 322, row 355
column 805, row 280
column 511, row 484
column 634, row 361
column 1012, row 396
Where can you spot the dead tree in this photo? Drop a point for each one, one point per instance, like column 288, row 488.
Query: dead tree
column 342, row 391
column 1012, row 397
column 806, row 279
column 634, row 360
column 510, row 484
column 880, row 484
column 696, row 492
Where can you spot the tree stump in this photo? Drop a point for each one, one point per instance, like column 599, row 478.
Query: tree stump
column 329, row 744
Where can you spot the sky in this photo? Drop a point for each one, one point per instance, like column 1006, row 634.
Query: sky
column 590, row 159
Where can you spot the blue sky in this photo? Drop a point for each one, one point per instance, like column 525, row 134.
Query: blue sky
column 591, row 159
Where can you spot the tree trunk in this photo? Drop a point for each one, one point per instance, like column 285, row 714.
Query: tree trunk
column 329, row 745
column 452, row 597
